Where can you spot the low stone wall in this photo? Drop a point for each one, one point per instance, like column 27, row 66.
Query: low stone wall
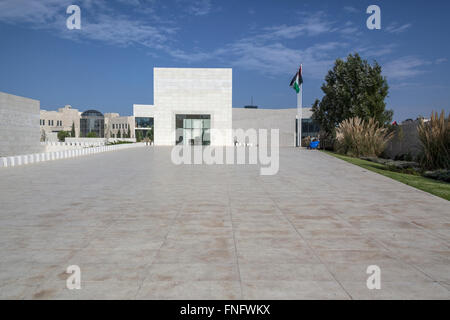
column 50, row 146
column 97, row 141
column 86, row 141
column 56, row 155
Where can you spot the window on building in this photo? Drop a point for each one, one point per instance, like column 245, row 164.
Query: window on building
column 92, row 121
column 143, row 122
column 193, row 129
column 309, row 128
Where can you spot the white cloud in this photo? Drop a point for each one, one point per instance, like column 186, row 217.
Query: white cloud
column 122, row 31
column 276, row 58
column 100, row 21
column 395, row 28
column 376, row 52
column 405, row 67
column 351, row 9
column 199, row 7
column 272, row 50
column 35, row 12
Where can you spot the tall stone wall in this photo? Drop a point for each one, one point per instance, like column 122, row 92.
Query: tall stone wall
column 405, row 141
column 281, row 119
column 19, row 125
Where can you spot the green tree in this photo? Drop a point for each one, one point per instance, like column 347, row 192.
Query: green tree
column 92, row 134
column 150, row 134
column 72, row 132
column 138, row 135
column 119, row 134
column 129, row 132
column 353, row 88
column 62, row 135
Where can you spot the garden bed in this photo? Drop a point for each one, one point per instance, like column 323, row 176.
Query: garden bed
column 413, row 179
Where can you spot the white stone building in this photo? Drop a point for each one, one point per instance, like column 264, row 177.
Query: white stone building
column 194, row 106
column 116, row 125
column 52, row 122
column 187, row 104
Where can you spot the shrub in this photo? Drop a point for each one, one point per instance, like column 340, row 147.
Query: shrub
column 357, row 138
column 442, row 175
column 91, row 134
column 62, row 135
column 306, row 142
column 434, row 136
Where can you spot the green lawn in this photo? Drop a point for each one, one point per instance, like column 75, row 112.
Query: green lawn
column 438, row 188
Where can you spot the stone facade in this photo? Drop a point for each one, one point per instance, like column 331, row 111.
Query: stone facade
column 54, row 121
column 283, row 119
column 19, row 129
column 115, row 123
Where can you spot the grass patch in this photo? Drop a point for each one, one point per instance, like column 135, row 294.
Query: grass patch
column 435, row 187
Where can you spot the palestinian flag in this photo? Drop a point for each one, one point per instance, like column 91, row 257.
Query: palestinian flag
column 297, row 80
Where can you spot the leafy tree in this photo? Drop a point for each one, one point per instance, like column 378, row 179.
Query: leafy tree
column 353, row 88
column 150, row 134
column 138, row 135
column 129, row 132
column 92, row 134
column 72, row 132
column 62, row 135
column 119, row 134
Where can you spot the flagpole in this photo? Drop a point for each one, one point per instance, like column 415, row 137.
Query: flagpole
column 299, row 115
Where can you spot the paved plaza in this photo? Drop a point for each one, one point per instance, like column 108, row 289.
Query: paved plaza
column 140, row 227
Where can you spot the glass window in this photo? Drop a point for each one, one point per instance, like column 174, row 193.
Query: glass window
column 143, row 122
column 92, row 121
column 193, row 129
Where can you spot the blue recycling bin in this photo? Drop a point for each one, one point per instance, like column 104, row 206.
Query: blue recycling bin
column 314, row 144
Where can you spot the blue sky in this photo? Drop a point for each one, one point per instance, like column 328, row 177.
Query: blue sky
column 108, row 64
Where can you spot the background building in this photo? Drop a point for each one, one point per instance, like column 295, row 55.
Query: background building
column 92, row 121
column 52, row 122
column 144, row 119
column 119, row 126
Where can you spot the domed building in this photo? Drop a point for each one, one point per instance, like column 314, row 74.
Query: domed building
column 92, row 121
